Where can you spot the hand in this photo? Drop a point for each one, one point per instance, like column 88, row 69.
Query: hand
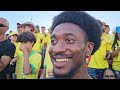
column 107, row 56
column 23, row 48
column 43, row 75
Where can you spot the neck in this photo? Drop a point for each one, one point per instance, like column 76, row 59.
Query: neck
column 82, row 73
column 13, row 41
column 2, row 37
column 29, row 51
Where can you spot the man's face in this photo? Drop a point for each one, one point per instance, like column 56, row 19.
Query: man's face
column 3, row 30
column 107, row 30
column 43, row 29
column 13, row 38
column 27, row 28
column 103, row 25
column 20, row 29
column 67, row 49
column 36, row 30
column 4, row 26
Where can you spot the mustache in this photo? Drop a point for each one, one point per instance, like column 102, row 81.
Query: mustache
column 61, row 55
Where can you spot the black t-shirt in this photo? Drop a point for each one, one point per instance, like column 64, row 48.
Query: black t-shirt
column 8, row 49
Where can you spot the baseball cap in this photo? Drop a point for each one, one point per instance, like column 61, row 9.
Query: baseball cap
column 29, row 23
column 118, row 29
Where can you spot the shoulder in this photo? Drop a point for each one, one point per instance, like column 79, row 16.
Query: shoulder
column 9, row 44
column 12, row 46
column 6, row 42
column 36, row 54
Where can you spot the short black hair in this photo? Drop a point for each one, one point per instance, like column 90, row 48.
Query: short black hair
column 27, row 37
column 89, row 24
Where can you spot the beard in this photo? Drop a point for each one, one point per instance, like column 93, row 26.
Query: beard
column 68, row 75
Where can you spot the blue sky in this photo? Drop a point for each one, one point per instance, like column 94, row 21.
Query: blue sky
column 44, row 18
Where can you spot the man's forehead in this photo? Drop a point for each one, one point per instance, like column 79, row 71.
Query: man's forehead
column 2, row 20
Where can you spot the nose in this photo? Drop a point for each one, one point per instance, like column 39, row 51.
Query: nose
column 60, row 47
column 109, row 77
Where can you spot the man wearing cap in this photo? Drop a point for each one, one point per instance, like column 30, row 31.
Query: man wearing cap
column 19, row 28
column 39, row 39
column 28, row 26
column 7, row 49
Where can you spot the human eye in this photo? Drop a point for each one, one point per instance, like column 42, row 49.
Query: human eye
column 70, row 40
column 53, row 41
column 106, row 76
column 112, row 76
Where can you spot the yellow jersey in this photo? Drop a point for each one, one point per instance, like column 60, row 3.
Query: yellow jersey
column 116, row 60
column 111, row 40
column 46, row 40
column 16, row 44
column 38, row 45
column 97, row 59
column 35, row 63
column 18, row 51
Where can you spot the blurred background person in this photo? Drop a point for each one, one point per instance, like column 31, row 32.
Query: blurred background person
column 109, row 73
column 7, row 50
column 98, row 61
column 29, row 62
column 116, row 53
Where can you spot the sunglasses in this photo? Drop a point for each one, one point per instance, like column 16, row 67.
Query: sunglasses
column 1, row 25
column 20, row 27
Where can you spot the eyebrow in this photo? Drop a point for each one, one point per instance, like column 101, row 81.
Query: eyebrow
column 69, row 34
column 66, row 34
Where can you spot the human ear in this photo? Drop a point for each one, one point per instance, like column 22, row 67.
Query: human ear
column 90, row 47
